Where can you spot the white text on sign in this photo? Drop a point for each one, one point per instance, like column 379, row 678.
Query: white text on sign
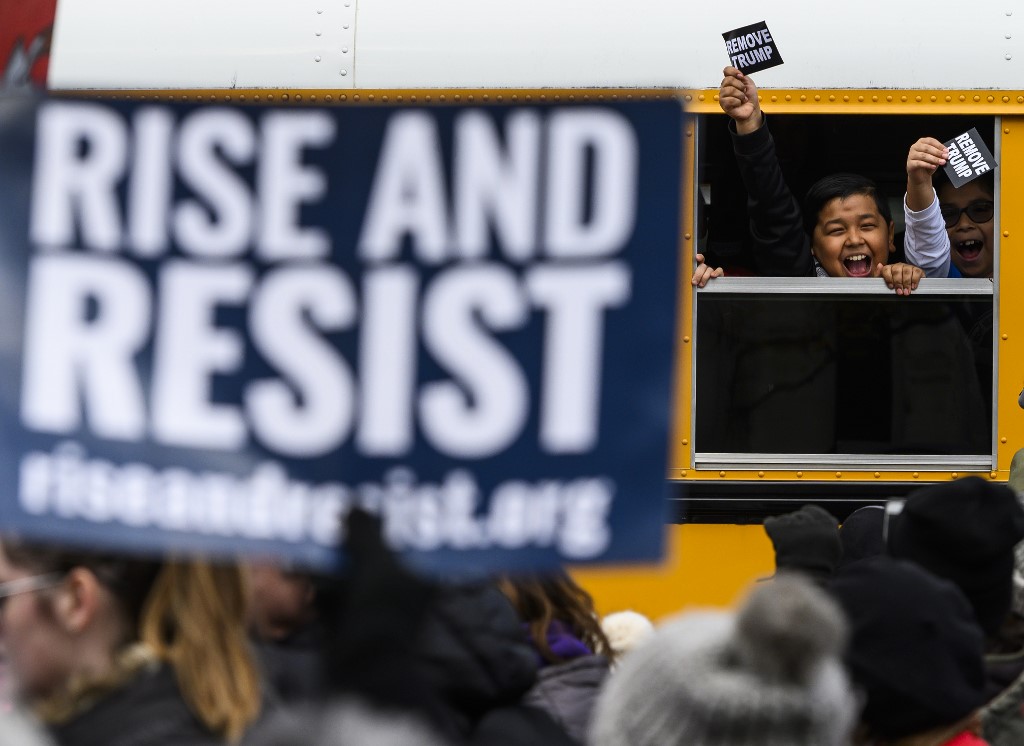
column 92, row 310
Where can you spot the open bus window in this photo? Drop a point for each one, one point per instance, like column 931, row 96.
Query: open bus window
column 812, row 371
column 810, row 147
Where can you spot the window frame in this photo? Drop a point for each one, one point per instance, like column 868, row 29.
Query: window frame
column 710, row 464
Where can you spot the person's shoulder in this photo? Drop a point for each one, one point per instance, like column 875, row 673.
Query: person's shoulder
column 586, row 668
column 147, row 709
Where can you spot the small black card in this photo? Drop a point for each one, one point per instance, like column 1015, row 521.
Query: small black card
column 968, row 159
column 752, row 48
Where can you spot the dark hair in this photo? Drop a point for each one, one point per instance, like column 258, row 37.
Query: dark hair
column 840, row 186
column 542, row 599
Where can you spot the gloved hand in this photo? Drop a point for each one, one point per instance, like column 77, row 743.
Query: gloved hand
column 373, row 617
column 806, row 540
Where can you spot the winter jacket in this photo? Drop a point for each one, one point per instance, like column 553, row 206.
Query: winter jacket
column 148, row 711
column 293, row 668
column 567, row 691
column 781, row 245
column 474, row 657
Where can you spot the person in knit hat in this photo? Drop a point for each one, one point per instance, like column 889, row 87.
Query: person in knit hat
column 769, row 675
column 1003, row 717
column 806, row 541
column 861, row 534
column 915, row 651
column 964, row 531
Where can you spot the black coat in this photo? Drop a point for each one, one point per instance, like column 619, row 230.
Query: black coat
column 148, row 711
column 293, row 668
column 781, row 245
column 475, row 657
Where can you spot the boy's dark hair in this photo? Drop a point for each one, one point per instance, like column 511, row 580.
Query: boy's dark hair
column 840, row 186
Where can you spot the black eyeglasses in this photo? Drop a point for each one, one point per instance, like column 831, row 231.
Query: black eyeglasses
column 29, row 585
column 978, row 212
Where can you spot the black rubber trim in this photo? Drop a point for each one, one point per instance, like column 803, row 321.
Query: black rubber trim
column 752, row 502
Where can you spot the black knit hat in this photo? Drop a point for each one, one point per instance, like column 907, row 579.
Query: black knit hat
column 964, row 531
column 915, row 648
column 806, row 540
column 861, row 534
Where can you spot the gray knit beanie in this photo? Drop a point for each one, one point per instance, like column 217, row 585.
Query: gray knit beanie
column 770, row 675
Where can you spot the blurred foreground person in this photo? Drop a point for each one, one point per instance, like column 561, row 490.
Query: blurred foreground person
column 966, row 531
column 917, row 653
column 286, row 630
column 769, row 675
column 413, row 662
column 1003, row 717
column 114, row 651
column 571, row 647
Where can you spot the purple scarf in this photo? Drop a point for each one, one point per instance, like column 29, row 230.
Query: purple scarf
column 562, row 642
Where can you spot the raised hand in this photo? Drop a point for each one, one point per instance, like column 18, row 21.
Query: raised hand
column 738, row 98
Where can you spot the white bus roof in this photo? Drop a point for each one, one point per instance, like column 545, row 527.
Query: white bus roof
column 381, row 44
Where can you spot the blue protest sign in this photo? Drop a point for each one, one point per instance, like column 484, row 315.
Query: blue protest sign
column 223, row 327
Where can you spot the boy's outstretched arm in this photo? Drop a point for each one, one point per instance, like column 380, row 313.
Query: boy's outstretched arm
column 781, row 247
column 925, row 241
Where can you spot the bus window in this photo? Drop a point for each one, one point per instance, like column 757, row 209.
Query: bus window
column 803, row 372
column 810, row 147
column 806, row 371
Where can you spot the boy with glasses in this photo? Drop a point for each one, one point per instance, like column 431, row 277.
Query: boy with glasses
column 949, row 232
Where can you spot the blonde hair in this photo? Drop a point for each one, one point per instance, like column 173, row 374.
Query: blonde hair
column 194, row 618
column 190, row 614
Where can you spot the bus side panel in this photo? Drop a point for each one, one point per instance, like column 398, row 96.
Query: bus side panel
column 1010, row 302
column 706, row 565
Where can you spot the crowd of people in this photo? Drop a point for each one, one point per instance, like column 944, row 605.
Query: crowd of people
column 901, row 626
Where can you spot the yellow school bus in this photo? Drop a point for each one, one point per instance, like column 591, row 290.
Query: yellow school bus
column 855, row 90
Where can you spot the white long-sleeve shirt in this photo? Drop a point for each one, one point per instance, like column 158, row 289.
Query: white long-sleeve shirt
column 925, row 241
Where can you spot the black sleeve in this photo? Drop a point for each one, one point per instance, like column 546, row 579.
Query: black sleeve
column 781, row 247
